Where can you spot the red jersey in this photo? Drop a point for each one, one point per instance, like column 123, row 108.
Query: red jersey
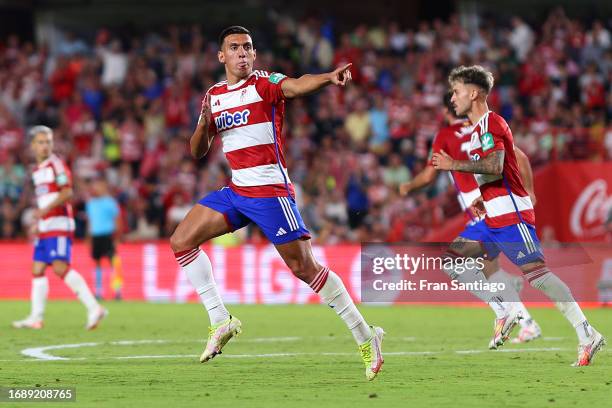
column 455, row 140
column 49, row 178
column 249, row 118
column 505, row 198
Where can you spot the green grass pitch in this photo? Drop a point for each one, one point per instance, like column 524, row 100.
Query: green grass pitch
column 146, row 355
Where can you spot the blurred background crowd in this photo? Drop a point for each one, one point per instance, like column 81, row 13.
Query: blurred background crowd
column 123, row 105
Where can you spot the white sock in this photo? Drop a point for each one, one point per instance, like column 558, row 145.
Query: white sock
column 527, row 320
column 331, row 289
column 473, row 275
column 511, row 295
column 197, row 267
column 558, row 292
column 79, row 287
column 40, row 291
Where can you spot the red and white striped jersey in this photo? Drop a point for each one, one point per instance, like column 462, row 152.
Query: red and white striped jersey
column 249, row 118
column 505, row 198
column 455, row 140
column 49, row 178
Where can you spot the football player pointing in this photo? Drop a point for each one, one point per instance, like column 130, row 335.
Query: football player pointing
column 246, row 111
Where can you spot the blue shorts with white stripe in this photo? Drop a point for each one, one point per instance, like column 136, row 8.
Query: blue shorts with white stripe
column 278, row 217
column 52, row 249
column 519, row 242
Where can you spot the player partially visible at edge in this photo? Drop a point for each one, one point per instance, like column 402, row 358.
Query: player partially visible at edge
column 509, row 216
column 246, row 111
column 53, row 227
column 454, row 139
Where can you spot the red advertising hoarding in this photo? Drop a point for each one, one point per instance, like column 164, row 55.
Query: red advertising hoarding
column 574, row 201
column 256, row 274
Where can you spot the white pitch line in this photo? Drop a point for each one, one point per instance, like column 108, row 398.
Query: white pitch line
column 269, row 339
column 267, row 355
column 271, row 355
column 522, row 350
column 134, row 342
column 42, row 353
column 160, row 356
column 337, row 354
column 534, row 349
column 224, row 356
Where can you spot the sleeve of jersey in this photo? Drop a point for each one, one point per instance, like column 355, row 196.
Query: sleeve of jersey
column 269, row 88
column 63, row 178
column 436, row 146
column 493, row 139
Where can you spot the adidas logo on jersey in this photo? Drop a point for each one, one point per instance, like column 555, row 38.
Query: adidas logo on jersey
column 281, row 231
column 520, row 255
column 228, row 120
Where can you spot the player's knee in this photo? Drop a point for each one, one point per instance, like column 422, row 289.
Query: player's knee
column 179, row 242
column 303, row 269
column 60, row 269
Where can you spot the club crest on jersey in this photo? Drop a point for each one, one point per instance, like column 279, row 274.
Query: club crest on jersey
column 229, row 120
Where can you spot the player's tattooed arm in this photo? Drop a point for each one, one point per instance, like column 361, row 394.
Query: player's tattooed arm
column 202, row 137
column 492, row 164
column 309, row 83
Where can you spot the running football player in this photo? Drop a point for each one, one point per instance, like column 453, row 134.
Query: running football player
column 509, row 216
column 455, row 139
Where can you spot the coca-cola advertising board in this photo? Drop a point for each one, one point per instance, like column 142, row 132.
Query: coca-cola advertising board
column 574, row 201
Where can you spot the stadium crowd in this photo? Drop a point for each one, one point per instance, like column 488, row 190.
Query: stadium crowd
column 123, row 106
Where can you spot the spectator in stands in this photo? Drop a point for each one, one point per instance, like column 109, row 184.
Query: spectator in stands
column 123, row 109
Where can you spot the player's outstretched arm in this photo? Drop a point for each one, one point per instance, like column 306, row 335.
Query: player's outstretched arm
column 491, row 164
column 202, row 135
column 424, row 178
column 526, row 173
column 309, row 83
